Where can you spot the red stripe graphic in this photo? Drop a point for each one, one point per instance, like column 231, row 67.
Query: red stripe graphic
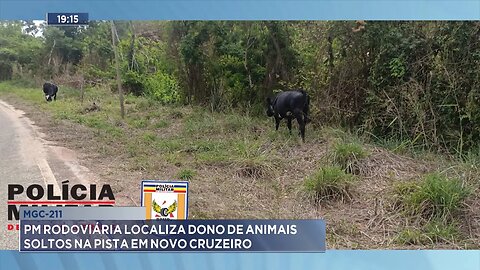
column 60, row 202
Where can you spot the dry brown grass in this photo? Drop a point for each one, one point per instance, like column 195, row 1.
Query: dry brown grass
column 266, row 185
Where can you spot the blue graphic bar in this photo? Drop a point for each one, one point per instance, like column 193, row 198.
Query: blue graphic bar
column 331, row 260
column 173, row 235
column 247, row 9
column 81, row 213
column 67, row 18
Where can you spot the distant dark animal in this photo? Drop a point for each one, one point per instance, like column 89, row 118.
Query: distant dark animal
column 290, row 105
column 50, row 90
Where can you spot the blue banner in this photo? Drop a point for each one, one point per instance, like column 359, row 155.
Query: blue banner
column 330, row 260
column 247, row 9
column 173, row 235
column 67, row 18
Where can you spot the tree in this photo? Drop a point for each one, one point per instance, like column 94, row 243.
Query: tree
column 117, row 67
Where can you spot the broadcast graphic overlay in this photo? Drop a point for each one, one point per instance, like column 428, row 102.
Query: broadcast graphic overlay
column 165, row 199
column 41, row 231
column 63, row 229
column 283, row 134
column 68, row 195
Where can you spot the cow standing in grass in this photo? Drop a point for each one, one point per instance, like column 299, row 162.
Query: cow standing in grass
column 290, row 105
column 50, row 90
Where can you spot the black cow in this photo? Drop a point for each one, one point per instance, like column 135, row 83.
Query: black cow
column 290, row 105
column 50, row 90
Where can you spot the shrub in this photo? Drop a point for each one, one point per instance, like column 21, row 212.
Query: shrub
column 133, row 82
column 163, row 87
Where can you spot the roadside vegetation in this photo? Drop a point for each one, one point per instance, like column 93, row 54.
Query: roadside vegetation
column 241, row 160
column 391, row 158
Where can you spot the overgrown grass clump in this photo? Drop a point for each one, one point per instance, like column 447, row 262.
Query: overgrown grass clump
column 434, row 197
column 433, row 203
column 348, row 155
column 433, row 232
column 186, row 174
column 329, row 183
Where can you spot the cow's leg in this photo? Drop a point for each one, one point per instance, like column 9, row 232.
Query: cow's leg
column 55, row 97
column 289, row 124
column 301, row 123
column 277, row 122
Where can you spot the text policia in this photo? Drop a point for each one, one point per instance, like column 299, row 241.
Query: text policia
column 64, row 195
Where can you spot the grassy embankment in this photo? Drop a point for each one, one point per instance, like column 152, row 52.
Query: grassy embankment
column 239, row 167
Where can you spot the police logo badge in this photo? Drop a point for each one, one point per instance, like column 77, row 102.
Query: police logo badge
column 165, row 199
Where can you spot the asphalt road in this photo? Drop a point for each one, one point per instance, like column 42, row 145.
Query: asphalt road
column 26, row 158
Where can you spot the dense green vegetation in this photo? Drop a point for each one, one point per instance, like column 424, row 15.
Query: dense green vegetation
column 415, row 83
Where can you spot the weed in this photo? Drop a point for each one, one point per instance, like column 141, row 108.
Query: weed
column 176, row 114
column 434, row 197
column 149, row 137
column 161, row 124
column 441, row 232
column 430, row 233
column 236, row 123
column 411, row 236
column 347, row 156
column 186, row 174
column 329, row 183
column 138, row 123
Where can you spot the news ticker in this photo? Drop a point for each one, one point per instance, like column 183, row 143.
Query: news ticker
column 63, row 229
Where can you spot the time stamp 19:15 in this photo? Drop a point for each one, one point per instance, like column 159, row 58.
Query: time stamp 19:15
column 67, row 19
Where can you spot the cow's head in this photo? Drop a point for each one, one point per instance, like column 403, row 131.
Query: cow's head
column 270, row 111
column 48, row 97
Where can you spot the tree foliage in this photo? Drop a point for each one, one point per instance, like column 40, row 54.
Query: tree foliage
column 408, row 81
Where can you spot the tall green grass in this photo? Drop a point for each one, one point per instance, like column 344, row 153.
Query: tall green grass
column 431, row 233
column 434, row 197
column 329, row 183
column 186, row 174
column 347, row 156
